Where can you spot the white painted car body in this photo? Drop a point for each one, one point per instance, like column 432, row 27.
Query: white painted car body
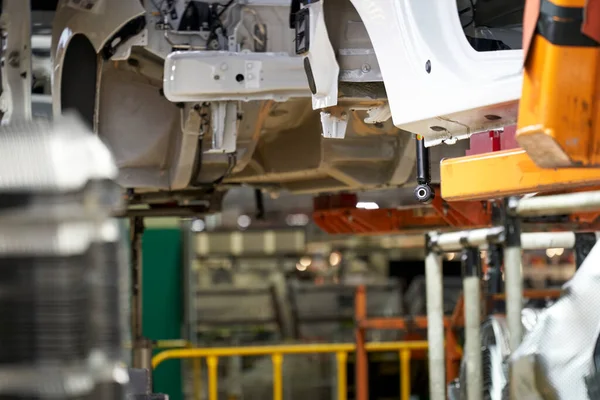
column 183, row 108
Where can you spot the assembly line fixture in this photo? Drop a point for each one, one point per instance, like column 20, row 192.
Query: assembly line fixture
column 470, row 242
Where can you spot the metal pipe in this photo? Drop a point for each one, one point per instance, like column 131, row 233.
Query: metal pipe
column 435, row 323
column 189, row 289
column 277, row 360
column 471, row 262
column 558, row 204
column 472, row 351
column 454, row 241
column 318, row 348
column 547, row 240
column 513, row 281
column 213, row 363
column 197, row 378
column 136, row 228
column 404, row 375
column 513, row 273
column 341, row 349
column 189, row 286
column 142, row 353
column 362, row 360
column 342, row 358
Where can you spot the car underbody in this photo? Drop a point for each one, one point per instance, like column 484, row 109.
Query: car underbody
column 199, row 97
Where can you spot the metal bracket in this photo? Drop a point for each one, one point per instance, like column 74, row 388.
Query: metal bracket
column 378, row 114
column 197, row 76
column 334, row 127
column 224, row 127
column 123, row 51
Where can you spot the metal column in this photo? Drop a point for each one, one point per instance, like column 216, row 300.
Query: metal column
column 142, row 348
column 362, row 359
column 189, row 284
column 435, row 321
column 189, row 281
column 513, row 274
column 471, row 271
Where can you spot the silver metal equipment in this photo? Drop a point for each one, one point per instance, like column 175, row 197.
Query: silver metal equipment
column 62, row 272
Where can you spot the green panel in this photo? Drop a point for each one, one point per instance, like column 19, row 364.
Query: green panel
column 162, row 301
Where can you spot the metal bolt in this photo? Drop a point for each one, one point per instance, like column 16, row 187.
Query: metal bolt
column 14, row 59
column 365, row 68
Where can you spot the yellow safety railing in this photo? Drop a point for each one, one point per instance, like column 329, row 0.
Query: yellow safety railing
column 277, row 352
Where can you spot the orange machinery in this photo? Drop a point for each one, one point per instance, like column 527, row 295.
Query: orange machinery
column 559, row 112
column 337, row 214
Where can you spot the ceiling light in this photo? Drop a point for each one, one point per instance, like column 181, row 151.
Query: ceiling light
column 367, row 205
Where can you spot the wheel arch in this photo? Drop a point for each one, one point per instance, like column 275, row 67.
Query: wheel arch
column 78, row 82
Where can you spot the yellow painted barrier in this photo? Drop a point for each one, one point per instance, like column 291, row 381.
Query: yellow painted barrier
column 277, row 352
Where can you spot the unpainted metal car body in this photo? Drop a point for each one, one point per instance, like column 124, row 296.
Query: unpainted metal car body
column 307, row 96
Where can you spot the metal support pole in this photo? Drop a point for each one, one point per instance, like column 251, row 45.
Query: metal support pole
column 142, row 349
column 435, row 321
column 342, row 386
column 362, row 360
column 189, row 284
column 494, row 271
column 471, row 270
column 405, row 388
column 277, row 376
column 513, row 274
column 584, row 242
